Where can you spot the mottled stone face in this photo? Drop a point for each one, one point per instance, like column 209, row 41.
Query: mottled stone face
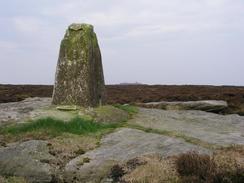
column 79, row 75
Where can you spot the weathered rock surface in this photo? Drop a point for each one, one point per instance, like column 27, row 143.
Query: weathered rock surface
column 34, row 108
column 31, row 109
column 203, row 105
column 208, row 127
column 29, row 160
column 107, row 114
column 79, row 75
column 32, row 159
column 121, row 146
column 18, row 111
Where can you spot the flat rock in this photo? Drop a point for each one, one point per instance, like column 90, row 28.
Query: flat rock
column 121, row 146
column 29, row 160
column 18, row 111
column 67, row 108
column 209, row 127
column 203, row 105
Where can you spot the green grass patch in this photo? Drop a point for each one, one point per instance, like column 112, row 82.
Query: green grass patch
column 128, row 108
column 57, row 127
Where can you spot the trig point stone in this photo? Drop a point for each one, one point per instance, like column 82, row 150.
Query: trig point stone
column 79, row 75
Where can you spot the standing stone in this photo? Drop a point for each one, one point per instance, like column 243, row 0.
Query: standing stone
column 79, row 74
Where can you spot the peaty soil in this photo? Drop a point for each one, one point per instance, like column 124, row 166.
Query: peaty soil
column 140, row 93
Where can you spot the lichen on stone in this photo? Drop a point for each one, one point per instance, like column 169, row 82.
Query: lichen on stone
column 79, row 74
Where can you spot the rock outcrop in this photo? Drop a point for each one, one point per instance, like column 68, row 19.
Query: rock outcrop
column 202, row 105
column 222, row 130
column 122, row 146
column 79, row 74
column 37, row 108
column 29, row 160
column 25, row 110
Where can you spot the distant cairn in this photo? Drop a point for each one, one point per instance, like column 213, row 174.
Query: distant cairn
column 79, row 75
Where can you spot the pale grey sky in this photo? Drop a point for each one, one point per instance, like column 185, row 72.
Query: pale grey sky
column 147, row 41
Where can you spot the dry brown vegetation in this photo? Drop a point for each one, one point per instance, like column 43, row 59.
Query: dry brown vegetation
column 69, row 146
column 12, row 180
column 141, row 93
column 224, row 166
column 146, row 169
column 194, row 165
column 154, row 170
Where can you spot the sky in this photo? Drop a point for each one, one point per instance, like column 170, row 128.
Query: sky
column 146, row 41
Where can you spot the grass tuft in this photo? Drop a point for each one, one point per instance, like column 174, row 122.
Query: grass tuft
column 128, row 108
column 56, row 127
column 145, row 169
column 12, row 180
column 225, row 166
column 117, row 172
column 194, row 164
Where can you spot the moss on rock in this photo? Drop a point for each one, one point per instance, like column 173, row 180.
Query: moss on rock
column 108, row 114
column 79, row 74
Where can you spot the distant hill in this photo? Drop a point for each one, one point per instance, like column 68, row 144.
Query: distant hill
column 136, row 83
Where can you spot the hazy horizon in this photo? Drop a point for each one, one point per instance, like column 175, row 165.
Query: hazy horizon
column 150, row 42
